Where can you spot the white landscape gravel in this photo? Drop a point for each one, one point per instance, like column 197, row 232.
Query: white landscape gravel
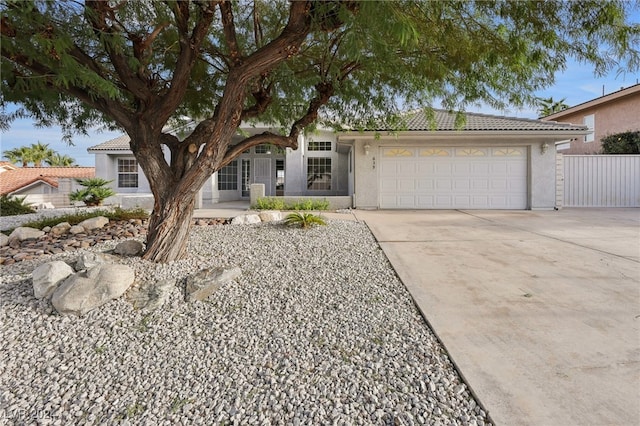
column 317, row 330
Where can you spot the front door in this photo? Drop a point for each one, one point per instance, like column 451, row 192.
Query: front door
column 262, row 174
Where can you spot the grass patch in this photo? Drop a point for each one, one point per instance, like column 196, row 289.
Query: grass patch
column 278, row 203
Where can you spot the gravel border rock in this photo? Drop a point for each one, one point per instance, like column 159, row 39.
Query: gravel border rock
column 318, row 329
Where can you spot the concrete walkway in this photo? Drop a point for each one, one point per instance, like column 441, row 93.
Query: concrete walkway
column 539, row 310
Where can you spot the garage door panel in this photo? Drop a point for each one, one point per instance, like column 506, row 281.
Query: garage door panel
column 476, row 177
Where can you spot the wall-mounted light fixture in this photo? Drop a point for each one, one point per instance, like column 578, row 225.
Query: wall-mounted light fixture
column 544, row 147
column 366, row 147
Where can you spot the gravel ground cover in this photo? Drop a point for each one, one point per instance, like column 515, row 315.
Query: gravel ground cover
column 317, row 330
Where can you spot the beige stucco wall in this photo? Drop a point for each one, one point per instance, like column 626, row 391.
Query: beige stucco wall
column 542, row 167
column 617, row 115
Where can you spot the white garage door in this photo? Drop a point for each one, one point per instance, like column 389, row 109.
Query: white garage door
column 453, row 178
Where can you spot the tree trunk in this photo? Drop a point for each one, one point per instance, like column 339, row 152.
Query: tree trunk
column 169, row 227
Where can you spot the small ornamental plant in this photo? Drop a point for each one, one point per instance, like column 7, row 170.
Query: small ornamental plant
column 303, row 219
column 94, row 191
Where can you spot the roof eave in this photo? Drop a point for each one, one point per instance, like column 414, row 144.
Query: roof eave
column 464, row 133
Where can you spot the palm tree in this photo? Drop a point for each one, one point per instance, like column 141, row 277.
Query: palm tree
column 19, row 155
column 547, row 106
column 57, row 160
column 40, row 152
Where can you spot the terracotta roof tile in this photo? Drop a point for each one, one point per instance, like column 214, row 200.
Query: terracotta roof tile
column 13, row 180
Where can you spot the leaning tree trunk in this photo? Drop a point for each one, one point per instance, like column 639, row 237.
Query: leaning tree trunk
column 169, row 227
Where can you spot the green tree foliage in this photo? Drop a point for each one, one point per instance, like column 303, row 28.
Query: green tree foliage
column 94, row 192
column 142, row 65
column 37, row 153
column 58, row 160
column 621, row 143
column 11, row 206
column 548, row 106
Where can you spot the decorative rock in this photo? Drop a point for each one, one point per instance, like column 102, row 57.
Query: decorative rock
column 206, row 282
column 77, row 229
column 4, row 240
column 84, row 291
column 94, row 223
column 270, row 216
column 89, row 260
column 42, row 206
column 60, row 229
column 151, row 295
column 46, row 229
column 129, row 248
column 246, row 219
column 48, row 276
column 25, row 233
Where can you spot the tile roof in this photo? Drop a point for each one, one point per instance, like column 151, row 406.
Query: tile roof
column 446, row 121
column 13, row 180
column 121, row 143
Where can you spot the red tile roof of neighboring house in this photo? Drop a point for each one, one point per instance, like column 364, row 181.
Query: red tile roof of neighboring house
column 13, row 180
column 7, row 165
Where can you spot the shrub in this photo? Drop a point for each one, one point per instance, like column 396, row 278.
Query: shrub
column 94, row 191
column 621, row 143
column 76, row 218
column 278, row 203
column 11, row 206
column 303, row 219
column 270, row 203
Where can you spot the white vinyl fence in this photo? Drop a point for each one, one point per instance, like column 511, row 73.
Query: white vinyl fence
column 601, row 180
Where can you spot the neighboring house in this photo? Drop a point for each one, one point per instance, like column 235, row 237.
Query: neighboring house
column 616, row 112
column 42, row 184
column 490, row 163
column 6, row 166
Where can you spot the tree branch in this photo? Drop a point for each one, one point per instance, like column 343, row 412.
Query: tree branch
column 229, row 28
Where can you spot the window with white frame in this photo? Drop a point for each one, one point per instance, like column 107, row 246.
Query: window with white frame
column 319, row 146
column 127, row 173
column 319, row 173
column 228, row 177
column 590, row 122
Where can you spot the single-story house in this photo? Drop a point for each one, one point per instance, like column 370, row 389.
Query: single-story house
column 490, row 162
column 40, row 185
column 615, row 112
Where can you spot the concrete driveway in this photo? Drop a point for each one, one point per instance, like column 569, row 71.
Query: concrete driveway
column 539, row 310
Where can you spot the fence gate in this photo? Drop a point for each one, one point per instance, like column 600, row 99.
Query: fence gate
column 601, row 180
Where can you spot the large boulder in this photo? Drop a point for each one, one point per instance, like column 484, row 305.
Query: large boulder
column 129, row 248
column 60, row 229
column 206, row 282
column 4, row 240
column 84, row 291
column 48, row 276
column 270, row 216
column 25, row 233
column 246, row 219
column 151, row 295
column 94, row 223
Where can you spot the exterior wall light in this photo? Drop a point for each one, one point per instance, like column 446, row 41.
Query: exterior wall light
column 544, row 147
column 367, row 147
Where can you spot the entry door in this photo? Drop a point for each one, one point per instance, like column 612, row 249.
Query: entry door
column 262, row 174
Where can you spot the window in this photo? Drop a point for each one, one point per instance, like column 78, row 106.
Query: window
column 319, row 174
column 228, row 177
column 590, row 122
column 127, row 173
column 269, row 149
column 319, row 146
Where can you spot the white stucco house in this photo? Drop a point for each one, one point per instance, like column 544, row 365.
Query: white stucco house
column 490, row 163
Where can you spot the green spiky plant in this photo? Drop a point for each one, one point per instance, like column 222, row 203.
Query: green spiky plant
column 11, row 206
column 94, row 192
column 303, row 219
